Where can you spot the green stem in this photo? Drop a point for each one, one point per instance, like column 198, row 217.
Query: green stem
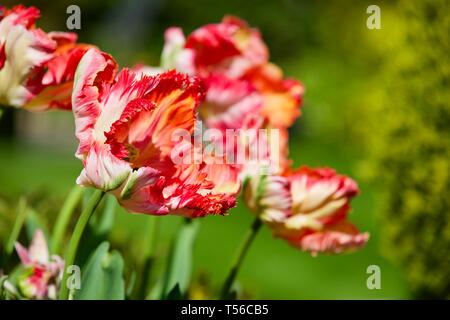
column 152, row 231
column 76, row 237
column 62, row 221
column 240, row 255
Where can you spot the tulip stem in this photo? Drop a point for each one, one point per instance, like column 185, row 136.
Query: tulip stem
column 62, row 221
column 76, row 237
column 240, row 255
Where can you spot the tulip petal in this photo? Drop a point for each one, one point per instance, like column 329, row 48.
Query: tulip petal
column 38, row 250
column 162, row 105
column 137, row 180
column 177, row 97
column 103, row 170
column 174, row 54
column 58, row 79
column 281, row 97
column 95, row 67
column 213, row 43
column 342, row 238
column 229, row 102
column 22, row 252
column 230, row 46
column 36, row 68
column 24, row 51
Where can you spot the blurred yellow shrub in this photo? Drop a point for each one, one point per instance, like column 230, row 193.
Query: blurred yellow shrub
column 409, row 142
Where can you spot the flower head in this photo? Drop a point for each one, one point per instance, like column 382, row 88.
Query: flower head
column 308, row 208
column 230, row 48
column 233, row 61
column 126, row 125
column 36, row 68
column 42, row 272
column 243, row 89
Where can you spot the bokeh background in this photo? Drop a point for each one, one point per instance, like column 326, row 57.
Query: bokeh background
column 376, row 107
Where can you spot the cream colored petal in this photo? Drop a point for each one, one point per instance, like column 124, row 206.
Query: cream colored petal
column 301, row 221
column 38, row 250
column 316, row 195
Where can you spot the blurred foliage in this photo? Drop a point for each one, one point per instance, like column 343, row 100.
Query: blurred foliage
column 409, row 140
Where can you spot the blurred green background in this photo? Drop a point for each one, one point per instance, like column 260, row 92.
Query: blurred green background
column 376, row 108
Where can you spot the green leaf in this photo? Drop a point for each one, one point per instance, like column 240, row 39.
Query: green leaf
column 34, row 222
column 179, row 268
column 131, row 284
column 18, row 223
column 102, row 276
column 65, row 214
column 2, row 289
column 156, row 291
column 232, row 295
column 175, row 293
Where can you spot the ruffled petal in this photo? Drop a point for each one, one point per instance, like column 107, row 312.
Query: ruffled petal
column 95, row 70
column 314, row 188
column 57, row 81
column 144, row 133
column 213, row 43
column 25, row 50
column 342, row 238
column 225, row 178
column 193, row 205
column 229, row 102
column 191, row 190
column 177, row 97
column 39, row 67
column 281, row 97
column 230, row 47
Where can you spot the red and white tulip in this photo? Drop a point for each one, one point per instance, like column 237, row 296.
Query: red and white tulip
column 36, row 68
column 233, row 61
column 308, row 208
column 126, row 123
column 244, row 90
